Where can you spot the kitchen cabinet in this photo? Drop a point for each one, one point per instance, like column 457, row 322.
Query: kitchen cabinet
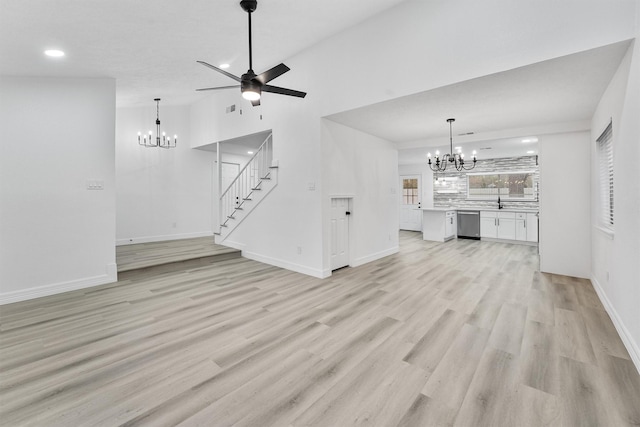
column 532, row 227
column 450, row 225
column 439, row 225
column 498, row 225
column 521, row 226
column 507, row 225
column 488, row 224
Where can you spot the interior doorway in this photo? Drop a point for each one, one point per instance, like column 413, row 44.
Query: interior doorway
column 410, row 202
column 340, row 213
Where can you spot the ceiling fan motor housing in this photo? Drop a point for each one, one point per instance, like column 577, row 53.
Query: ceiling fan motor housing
column 250, row 85
column 249, row 5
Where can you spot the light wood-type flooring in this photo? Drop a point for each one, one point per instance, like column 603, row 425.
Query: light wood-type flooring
column 142, row 255
column 464, row 333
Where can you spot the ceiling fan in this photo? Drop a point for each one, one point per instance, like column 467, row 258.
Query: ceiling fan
column 252, row 85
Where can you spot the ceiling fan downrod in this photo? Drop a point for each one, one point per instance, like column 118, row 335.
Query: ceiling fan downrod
column 249, row 6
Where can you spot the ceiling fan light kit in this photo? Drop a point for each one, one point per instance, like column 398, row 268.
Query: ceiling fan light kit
column 456, row 159
column 251, row 84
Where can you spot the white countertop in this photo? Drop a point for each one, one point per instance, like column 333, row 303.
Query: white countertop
column 481, row 209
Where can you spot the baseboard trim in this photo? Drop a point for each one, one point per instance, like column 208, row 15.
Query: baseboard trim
column 287, row 265
column 627, row 339
column 161, row 238
column 58, row 288
column 372, row 257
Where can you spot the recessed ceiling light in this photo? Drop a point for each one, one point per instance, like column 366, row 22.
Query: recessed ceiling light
column 530, row 152
column 223, row 66
column 526, row 140
column 249, row 152
column 55, row 53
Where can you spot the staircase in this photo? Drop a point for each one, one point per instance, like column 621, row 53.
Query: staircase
column 257, row 179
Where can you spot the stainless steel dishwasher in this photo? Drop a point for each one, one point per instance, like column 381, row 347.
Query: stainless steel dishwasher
column 469, row 225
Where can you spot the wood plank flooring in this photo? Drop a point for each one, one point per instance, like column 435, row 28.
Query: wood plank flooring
column 141, row 255
column 464, row 333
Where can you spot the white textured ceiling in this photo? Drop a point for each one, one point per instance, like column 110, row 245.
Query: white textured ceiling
column 151, row 46
column 557, row 91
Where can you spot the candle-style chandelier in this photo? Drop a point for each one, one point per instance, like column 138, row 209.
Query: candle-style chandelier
column 456, row 159
column 160, row 140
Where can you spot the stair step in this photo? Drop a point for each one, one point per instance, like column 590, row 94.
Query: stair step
column 238, row 208
column 223, row 225
column 273, row 167
column 256, row 189
column 231, row 217
column 247, row 199
column 265, row 177
column 215, row 233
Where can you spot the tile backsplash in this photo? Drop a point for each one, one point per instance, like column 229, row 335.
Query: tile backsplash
column 450, row 188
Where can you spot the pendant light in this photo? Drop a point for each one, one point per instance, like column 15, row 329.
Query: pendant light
column 160, row 140
column 456, row 159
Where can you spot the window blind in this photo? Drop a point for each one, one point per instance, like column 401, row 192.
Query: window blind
column 605, row 179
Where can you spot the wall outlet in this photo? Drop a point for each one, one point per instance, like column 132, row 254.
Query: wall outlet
column 311, row 186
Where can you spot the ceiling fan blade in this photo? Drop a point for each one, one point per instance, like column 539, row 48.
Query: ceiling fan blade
column 271, row 74
column 219, row 87
column 236, row 78
column 255, row 103
column 283, row 91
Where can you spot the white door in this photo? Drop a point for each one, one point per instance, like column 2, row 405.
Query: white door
column 229, row 172
column 410, row 213
column 339, row 233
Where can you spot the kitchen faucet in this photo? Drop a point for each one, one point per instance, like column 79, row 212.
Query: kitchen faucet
column 499, row 204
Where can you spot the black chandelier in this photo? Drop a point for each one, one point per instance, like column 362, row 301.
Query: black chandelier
column 457, row 159
column 162, row 141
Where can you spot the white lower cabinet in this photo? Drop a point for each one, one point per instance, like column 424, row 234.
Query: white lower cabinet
column 450, row 226
column 521, row 226
column 488, row 224
column 439, row 225
column 532, row 227
column 509, row 225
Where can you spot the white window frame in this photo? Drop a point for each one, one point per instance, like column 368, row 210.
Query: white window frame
column 604, row 155
column 503, row 196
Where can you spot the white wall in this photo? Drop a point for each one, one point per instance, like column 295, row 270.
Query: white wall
column 56, row 235
column 426, row 174
column 391, row 55
column 616, row 258
column 565, row 214
column 162, row 194
column 364, row 167
column 420, row 45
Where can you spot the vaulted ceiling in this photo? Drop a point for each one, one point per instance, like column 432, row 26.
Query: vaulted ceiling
column 151, row 46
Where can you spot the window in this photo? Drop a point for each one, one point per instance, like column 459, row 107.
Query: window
column 409, row 191
column 604, row 147
column 506, row 185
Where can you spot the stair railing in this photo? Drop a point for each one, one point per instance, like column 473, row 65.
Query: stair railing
column 248, row 181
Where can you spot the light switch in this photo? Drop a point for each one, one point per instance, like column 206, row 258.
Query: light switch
column 95, row 184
